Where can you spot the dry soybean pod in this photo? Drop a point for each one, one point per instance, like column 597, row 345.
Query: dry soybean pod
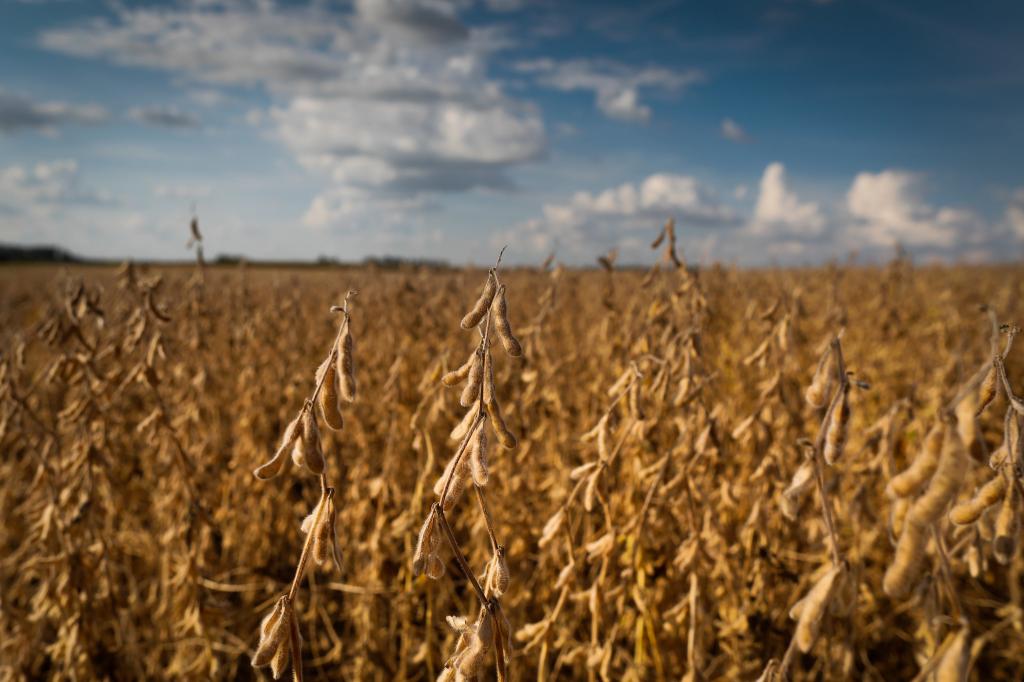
column 503, row 327
column 346, row 365
column 329, row 396
column 474, row 316
column 914, row 477
column 501, row 430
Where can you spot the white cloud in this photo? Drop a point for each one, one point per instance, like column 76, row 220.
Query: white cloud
column 1014, row 216
column 20, row 112
column 426, row 21
column 208, row 97
column 44, row 187
column 616, row 86
column 780, row 212
column 49, row 203
column 731, row 130
column 164, row 117
column 624, row 216
column 887, row 208
column 181, row 192
column 392, row 98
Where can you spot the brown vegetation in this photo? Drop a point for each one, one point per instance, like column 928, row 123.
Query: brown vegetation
column 715, row 475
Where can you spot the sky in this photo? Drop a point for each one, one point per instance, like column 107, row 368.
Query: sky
column 775, row 132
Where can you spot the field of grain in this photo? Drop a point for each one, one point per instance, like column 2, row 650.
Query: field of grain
column 661, row 513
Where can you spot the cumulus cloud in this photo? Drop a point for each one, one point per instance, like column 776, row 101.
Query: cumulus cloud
column 164, row 117
column 732, row 131
column 621, row 217
column 1014, row 216
column 780, row 212
column 392, row 98
column 44, row 187
column 887, row 207
column 49, row 202
column 616, row 86
column 20, row 112
column 427, row 21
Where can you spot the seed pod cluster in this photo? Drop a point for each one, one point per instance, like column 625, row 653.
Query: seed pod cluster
column 475, row 640
column 902, row 573
column 280, row 640
column 470, row 466
column 274, row 647
column 321, row 523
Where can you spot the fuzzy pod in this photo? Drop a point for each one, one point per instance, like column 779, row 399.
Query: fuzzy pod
column 276, row 464
column 471, row 393
column 817, row 392
column 970, row 511
column 479, row 641
column 508, row 341
column 802, row 481
column 324, row 540
column 311, row 454
column 426, row 544
column 478, row 456
column 590, row 491
column 987, row 391
column 473, row 317
column 458, row 481
column 273, row 633
column 457, row 376
column 499, row 574
column 810, row 610
column 945, row 483
column 488, row 378
column 604, row 434
column 467, row 422
column 501, row 430
column 902, row 573
column 551, row 527
column 330, row 406
column 914, row 477
column 347, row 365
column 838, row 426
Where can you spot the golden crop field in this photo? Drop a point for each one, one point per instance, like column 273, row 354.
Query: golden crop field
column 672, row 506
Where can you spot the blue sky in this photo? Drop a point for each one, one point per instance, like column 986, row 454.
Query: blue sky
column 774, row 132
